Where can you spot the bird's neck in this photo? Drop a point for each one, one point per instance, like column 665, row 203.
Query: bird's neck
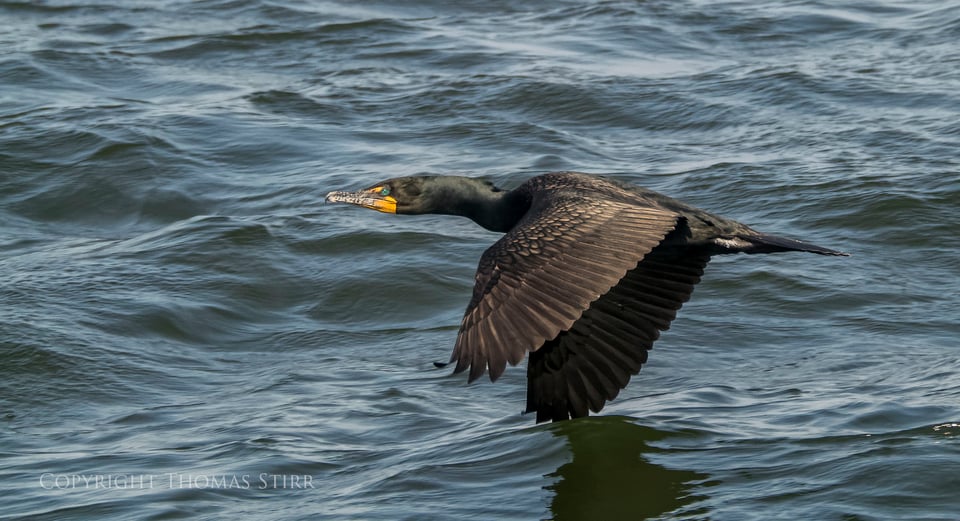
column 495, row 211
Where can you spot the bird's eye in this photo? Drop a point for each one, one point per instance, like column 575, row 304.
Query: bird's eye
column 385, row 191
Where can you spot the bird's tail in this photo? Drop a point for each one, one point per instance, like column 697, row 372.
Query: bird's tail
column 763, row 243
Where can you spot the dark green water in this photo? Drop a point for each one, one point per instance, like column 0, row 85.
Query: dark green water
column 186, row 331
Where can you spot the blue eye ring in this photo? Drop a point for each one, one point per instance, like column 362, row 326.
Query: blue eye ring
column 385, row 191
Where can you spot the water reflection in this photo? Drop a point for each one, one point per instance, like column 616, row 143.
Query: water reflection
column 611, row 478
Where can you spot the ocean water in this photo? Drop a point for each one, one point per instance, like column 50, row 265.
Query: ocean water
column 187, row 331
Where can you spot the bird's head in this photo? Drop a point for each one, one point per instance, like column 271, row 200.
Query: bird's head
column 397, row 195
column 418, row 195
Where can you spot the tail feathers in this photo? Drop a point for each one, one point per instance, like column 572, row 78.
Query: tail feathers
column 763, row 243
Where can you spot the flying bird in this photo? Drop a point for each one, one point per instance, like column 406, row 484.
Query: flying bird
column 588, row 272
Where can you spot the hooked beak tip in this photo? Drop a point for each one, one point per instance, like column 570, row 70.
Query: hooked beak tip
column 335, row 197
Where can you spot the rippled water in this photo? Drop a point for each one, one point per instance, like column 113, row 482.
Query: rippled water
column 186, row 331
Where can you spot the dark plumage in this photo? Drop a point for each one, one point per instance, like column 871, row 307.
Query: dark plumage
column 587, row 275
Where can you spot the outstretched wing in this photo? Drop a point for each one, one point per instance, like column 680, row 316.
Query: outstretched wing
column 540, row 277
column 588, row 365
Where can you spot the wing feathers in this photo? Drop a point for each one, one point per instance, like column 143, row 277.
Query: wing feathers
column 539, row 278
column 610, row 342
column 584, row 286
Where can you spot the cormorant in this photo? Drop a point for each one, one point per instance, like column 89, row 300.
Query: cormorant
column 587, row 275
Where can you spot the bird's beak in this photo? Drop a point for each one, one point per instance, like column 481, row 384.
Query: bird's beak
column 369, row 198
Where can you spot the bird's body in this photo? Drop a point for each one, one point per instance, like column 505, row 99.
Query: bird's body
column 588, row 273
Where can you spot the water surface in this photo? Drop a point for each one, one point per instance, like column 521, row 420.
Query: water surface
column 182, row 317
